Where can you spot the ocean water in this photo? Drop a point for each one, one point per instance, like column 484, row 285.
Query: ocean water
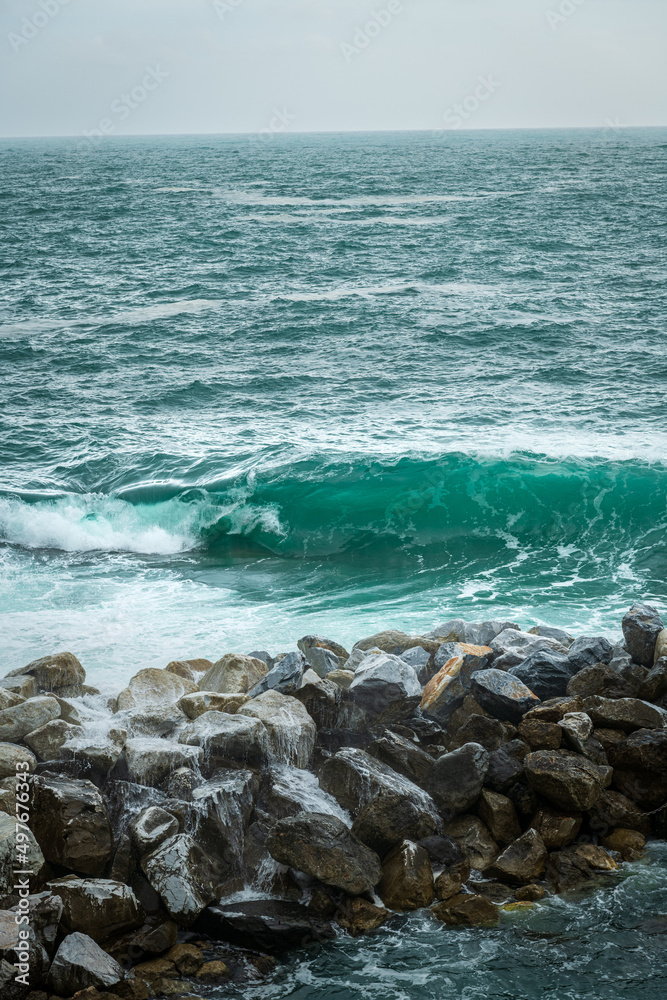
column 333, row 383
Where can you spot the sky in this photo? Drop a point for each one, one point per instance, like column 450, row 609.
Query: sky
column 75, row 67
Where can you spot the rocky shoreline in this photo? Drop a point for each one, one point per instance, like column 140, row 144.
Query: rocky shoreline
column 180, row 836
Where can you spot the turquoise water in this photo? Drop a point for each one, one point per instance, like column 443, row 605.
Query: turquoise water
column 327, row 383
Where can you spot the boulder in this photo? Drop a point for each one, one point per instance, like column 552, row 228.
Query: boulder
column 222, row 807
column 613, row 809
column 357, row 916
column 473, row 839
column 506, row 765
column 556, row 829
column 450, row 881
column 226, row 738
column 587, row 650
column 9, row 855
column 497, row 812
column 284, row 677
column 596, row 857
column 322, row 846
column 511, row 647
column 322, row 700
column 599, row 679
column 183, row 877
column 10, row 756
column 488, row 732
column 79, row 964
column 643, row 750
column 97, row 907
column 18, row 721
column 476, row 633
column 576, row 728
column 195, row 704
column 394, row 641
column 545, row 673
column 390, row 818
column 234, row 674
column 341, row 678
column 354, row 778
column 647, row 789
column 71, row 824
column 407, row 878
column 319, row 642
column 49, row 742
column 385, row 687
column 151, row 827
column 321, row 661
column 160, row 720
column 565, row 779
column 101, row 753
column 549, row 632
column 641, row 627
column 8, row 699
column 421, row 661
column 403, row 756
column 268, row 925
column 291, row 731
column 628, row 843
column 444, row 852
column 58, row 674
column 467, row 910
column 566, row 870
column 150, row 761
column 457, row 778
column 503, row 696
column 540, row 735
column 455, row 663
column 654, row 685
column 523, row 861
column 624, row 713
column 152, row 688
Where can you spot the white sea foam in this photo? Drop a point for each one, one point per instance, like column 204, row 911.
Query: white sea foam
column 128, row 317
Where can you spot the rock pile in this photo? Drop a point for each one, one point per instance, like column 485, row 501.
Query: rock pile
column 260, row 803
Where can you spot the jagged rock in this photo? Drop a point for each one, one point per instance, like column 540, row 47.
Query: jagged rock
column 228, row 738
column 49, row 740
column 182, row 875
column 540, row 735
column 654, row 685
column 450, row 881
column 566, row 780
column 511, row 647
column 10, row 756
column 151, row 827
column 549, row 632
column 566, row 870
column 407, row 878
column 624, row 713
column 100, row 753
column 457, row 778
column 154, row 937
column 497, row 892
column 613, row 809
column 8, row 855
column 8, row 699
column 488, row 732
column 195, row 704
column 322, row 700
column 233, row 674
column 587, row 650
column 545, row 673
column 71, row 824
column 497, row 812
column 322, row 846
column 506, row 765
column 321, row 661
column 403, row 756
column 385, row 687
column 555, row 828
column 58, row 674
column 357, row 916
column 341, row 678
column 474, row 840
column 152, row 688
column 596, row 857
column 284, row 677
column 444, row 852
column 643, row 750
column 554, row 709
column 354, row 778
column 291, row 731
column 641, row 627
column 523, row 861
column 18, row 721
column 389, row 819
column 628, row 843
column 319, row 642
column 476, row 633
column 599, row 679
column 97, row 907
column 467, row 910
column 151, row 761
column 421, row 661
column 222, row 807
column 455, row 664
column 503, row 696
column 80, row 963
column 576, row 728
column 393, row 641
column 269, row 925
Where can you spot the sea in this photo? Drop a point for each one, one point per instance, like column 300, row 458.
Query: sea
column 258, row 387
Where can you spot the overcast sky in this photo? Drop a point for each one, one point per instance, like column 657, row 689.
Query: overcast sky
column 160, row 66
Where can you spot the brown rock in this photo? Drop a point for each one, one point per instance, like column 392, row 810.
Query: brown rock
column 213, row 972
column 555, row 828
column 644, row 750
column 608, row 738
column 499, row 815
column 71, row 824
column 234, row 674
column 654, row 685
column 186, row 957
column 467, row 911
column 497, row 892
column 628, row 714
column 407, row 878
column 530, row 893
column 450, row 881
column 565, row 779
column 199, row 702
column 613, row 809
column 58, row 674
column 156, row 968
column 628, row 843
column 523, row 861
column 357, row 916
column 596, row 857
column 599, row 679
column 540, row 735
column 565, row 870
column 474, row 840
column 391, row 818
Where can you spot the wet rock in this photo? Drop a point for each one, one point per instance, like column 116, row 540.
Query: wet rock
column 596, row 857
column 511, row 647
column 566, row 780
column 407, row 878
column 8, row 856
column 530, row 893
column 97, row 907
column 10, row 756
column 497, row 812
column 624, row 713
column 506, row 765
column 503, row 696
column 222, row 807
column 49, row 740
column 523, row 861
column 80, row 963
column 291, row 731
column 18, row 721
column 319, row 642
column 391, row 818
column 60, row 674
column 386, row 687
column 599, row 679
column 195, row 704
column 473, row 839
column 457, row 778
column 182, row 669
column 354, row 778
column 321, row 700
column 450, row 881
column 99, row 753
column 554, row 709
column 654, row 685
column 628, row 843
column 545, row 673
column 467, row 910
column 613, row 809
column 587, row 650
column 444, row 852
column 226, row 738
column 322, row 846
column 566, row 870
column 284, row 677
column 71, row 824
column 357, row 916
column 497, row 892
column 421, row 661
column 158, row 720
column 608, row 738
column 394, row 641
column 151, row 827
column 540, row 735
column 549, row 632
column 234, row 674
column 152, row 688
column 556, row 829
column 151, row 761
column 182, row 875
column 641, row 627
column 576, row 728
column 403, row 756
column 643, row 750
column 488, row 732
column 269, row 925
column 455, row 664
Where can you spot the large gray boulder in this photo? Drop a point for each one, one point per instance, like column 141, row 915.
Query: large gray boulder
column 182, row 875
column 225, row 738
column 269, row 925
column 71, row 824
column 386, row 687
column 546, row 673
column 641, row 627
column 284, row 677
column 457, row 778
column 403, row 756
column 151, row 760
column 19, row 720
column 291, row 731
column 9, row 856
column 60, row 674
column 354, row 778
column 587, row 650
column 391, row 818
column 80, row 963
column 502, row 695
column 511, row 647
column 324, row 848
column 476, row 633
column 97, row 907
